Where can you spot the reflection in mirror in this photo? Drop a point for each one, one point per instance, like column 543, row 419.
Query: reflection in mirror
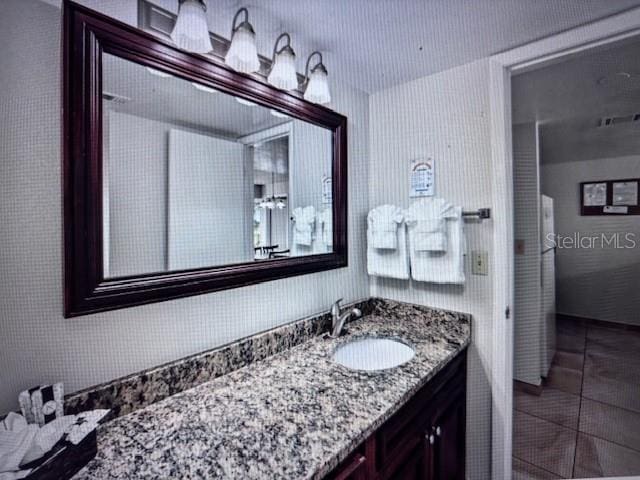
column 194, row 177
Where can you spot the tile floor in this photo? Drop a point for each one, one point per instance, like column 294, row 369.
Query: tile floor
column 586, row 421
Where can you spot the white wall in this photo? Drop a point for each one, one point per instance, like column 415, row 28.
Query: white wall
column 445, row 116
column 136, row 147
column 37, row 344
column 527, row 291
column 600, row 283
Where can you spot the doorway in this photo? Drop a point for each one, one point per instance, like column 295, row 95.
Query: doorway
column 576, row 163
column 573, row 43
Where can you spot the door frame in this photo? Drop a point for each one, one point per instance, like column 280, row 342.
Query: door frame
column 502, row 66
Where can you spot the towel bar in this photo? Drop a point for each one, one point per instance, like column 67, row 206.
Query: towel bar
column 481, row 213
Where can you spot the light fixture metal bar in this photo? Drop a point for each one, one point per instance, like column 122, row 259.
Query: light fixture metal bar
column 158, row 21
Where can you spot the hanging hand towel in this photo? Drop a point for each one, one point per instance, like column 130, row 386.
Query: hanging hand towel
column 388, row 262
column 434, row 266
column 427, row 221
column 304, row 222
column 383, row 225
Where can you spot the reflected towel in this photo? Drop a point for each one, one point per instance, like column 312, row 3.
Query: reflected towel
column 303, row 226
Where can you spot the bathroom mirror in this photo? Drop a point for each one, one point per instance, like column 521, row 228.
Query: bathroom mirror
column 184, row 177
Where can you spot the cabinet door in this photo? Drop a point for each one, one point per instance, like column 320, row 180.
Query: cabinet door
column 448, row 449
column 415, row 467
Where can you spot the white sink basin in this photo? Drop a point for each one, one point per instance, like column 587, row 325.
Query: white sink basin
column 373, row 353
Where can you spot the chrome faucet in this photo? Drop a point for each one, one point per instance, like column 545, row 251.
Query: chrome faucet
column 338, row 321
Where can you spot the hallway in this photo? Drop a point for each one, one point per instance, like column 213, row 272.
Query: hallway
column 586, row 422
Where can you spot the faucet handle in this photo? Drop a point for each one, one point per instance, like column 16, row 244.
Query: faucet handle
column 335, row 308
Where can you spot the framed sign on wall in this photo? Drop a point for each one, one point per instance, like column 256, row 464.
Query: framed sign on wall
column 610, row 197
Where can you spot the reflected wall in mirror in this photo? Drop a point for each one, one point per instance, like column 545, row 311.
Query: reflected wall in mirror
column 194, row 177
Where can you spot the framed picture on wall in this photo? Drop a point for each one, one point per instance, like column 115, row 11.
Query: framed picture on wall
column 594, row 194
column 625, row 193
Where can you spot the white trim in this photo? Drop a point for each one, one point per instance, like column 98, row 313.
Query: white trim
column 527, row 57
column 502, row 344
column 271, row 133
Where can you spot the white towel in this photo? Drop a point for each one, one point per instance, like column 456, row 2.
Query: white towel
column 383, row 223
column 386, row 262
column 16, row 439
column 427, row 223
column 22, row 443
column 304, row 219
column 441, row 267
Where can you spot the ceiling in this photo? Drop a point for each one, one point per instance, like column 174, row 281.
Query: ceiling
column 176, row 101
column 571, row 98
column 376, row 44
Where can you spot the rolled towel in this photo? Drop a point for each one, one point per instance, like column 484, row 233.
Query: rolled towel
column 383, row 225
column 304, row 222
column 16, row 438
column 426, row 219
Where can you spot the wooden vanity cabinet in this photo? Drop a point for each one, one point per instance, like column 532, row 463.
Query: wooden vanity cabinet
column 424, row 440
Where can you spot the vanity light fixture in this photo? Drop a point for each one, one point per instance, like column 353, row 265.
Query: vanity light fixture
column 243, row 54
column 317, row 90
column 204, row 88
column 158, row 73
column 283, row 66
column 191, row 32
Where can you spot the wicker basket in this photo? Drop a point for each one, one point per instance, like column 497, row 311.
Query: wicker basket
column 65, row 460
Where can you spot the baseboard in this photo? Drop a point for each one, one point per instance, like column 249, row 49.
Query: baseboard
column 599, row 323
column 527, row 387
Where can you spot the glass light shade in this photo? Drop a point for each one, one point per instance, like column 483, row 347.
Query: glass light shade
column 283, row 72
column 158, row 73
column 246, row 103
column 278, row 114
column 243, row 54
column 269, row 203
column 191, row 32
column 317, row 90
column 204, row 88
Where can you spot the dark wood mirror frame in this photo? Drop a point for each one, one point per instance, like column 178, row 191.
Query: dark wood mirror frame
column 87, row 35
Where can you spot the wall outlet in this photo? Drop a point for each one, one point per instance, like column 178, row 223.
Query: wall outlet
column 480, row 263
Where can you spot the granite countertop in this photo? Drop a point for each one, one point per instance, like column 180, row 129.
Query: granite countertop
column 294, row 415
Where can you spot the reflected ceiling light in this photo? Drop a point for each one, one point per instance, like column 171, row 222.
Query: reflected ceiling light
column 158, row 73
column 191, row 32
column 283, row 66
column 317, row 90
column 278, row 114
column 204, row 88
column 243, row 54
column 248, row 103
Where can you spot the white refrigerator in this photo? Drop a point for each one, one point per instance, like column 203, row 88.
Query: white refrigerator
column 548, row 284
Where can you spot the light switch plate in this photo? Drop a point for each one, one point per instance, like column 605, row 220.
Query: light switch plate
column 480, row 262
